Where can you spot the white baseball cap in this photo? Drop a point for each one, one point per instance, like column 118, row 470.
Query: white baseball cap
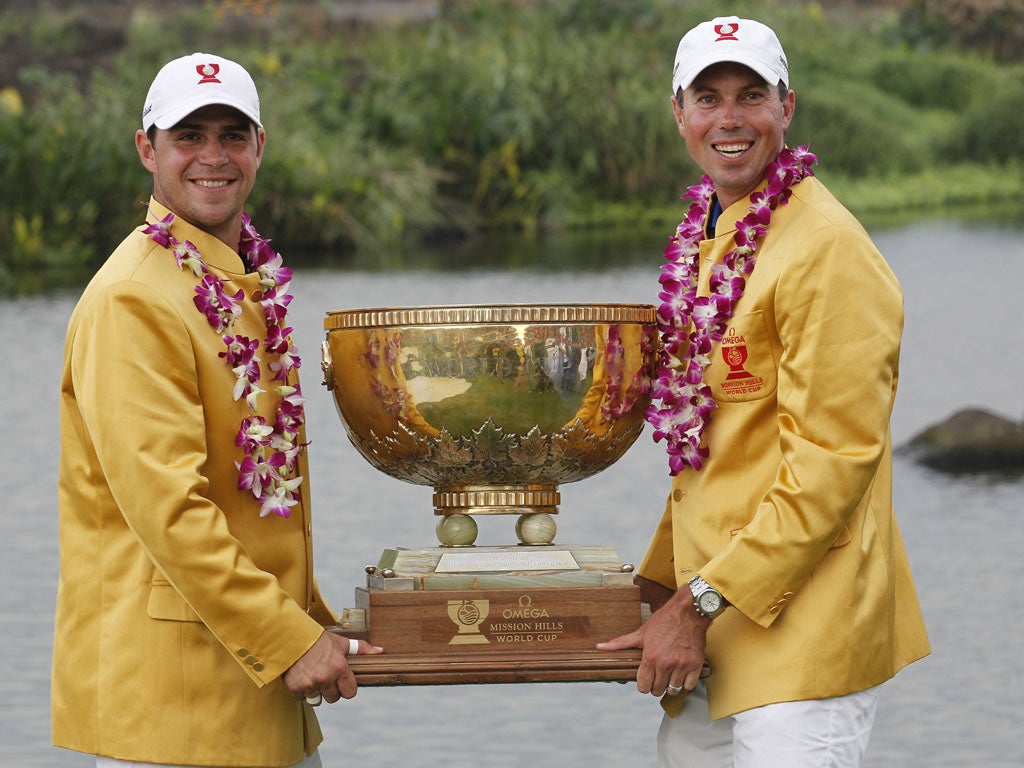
column 730, row 38
column 184, row 85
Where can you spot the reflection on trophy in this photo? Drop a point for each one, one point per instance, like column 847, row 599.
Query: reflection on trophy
column 494, row 407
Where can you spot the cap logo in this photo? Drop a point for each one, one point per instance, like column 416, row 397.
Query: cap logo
column 726, row 32
column 208, row 73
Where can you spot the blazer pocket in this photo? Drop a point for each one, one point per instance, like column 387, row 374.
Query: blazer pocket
column 165, row 603
column 743, row 365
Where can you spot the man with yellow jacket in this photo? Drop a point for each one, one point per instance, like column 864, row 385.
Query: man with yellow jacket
column 778, row 559
column 189, row 629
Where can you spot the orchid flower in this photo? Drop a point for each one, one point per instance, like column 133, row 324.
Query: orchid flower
column 160, row 232
column 282, row 499
column 275, row 306
column 253, row 435
column 187, row 255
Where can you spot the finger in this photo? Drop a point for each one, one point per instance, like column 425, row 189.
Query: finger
column 673, row 690
column 330, row 693
column 663, row 684
column 645, row 677
column 632, row 640
column 365, row 648
column 346, row 685
column 705, row 671
column 692, row 678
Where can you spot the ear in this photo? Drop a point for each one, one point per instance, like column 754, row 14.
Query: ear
column 261, row 140
column 147, row 154
column 788, row 109
column 678, row 112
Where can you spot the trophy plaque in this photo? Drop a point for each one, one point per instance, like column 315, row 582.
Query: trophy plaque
column 494, row 407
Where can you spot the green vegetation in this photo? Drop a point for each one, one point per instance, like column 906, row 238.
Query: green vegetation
column 459, row 414
column 502, row 115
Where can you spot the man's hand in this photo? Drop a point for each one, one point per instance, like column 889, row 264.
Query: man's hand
column 673, row 642
column 323, row 669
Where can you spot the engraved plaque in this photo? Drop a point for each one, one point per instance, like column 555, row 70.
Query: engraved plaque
column 525, row 560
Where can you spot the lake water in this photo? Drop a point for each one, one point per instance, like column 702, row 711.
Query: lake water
column 960, row 707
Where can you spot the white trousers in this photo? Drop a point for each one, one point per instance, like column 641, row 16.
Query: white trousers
column 313, row 761
column 823, row 733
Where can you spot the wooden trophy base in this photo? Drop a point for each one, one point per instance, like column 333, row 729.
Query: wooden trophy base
column 494, row 615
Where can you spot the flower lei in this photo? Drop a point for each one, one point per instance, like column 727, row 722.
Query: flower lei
column 690, row 324
column 617, row 401
column 394, row 399
column 271, row 452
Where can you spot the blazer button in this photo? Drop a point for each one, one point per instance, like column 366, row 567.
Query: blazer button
column 258, row 667
column 243, row 652
column 250, row 660
column 677, row 494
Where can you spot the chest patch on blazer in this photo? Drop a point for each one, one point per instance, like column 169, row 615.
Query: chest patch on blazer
column 739, row 381
column 743, row 364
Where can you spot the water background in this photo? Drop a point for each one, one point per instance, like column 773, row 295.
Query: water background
column 962, row 347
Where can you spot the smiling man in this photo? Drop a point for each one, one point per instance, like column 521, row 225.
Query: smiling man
column 778, row 564
column 189, row 628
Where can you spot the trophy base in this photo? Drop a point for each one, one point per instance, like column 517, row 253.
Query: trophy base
column 494, row 615
column 500, row 667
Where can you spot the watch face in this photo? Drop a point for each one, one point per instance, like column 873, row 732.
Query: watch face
column 711, row 602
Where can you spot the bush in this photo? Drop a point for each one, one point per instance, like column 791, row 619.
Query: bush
column 506, row 114
column 63, row 185
column 858, row 130
column 989, row 128
column 931, row 79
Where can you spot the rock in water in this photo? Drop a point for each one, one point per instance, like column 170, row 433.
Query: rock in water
column 971, row 440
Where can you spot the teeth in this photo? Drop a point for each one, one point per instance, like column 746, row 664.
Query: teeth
column 211, row 184
column 731, row 148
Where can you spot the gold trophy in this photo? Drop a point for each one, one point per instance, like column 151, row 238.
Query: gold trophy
column 494, row 407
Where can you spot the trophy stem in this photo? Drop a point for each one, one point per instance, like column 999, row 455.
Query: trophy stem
column 496, row 499
column 535, row 504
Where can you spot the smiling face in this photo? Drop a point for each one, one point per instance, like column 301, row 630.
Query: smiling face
column 204, row 168
column 734, row 125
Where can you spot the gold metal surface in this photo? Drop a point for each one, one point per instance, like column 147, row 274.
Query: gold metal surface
column 493, row 406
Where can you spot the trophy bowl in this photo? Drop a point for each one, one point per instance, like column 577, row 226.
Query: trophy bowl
column 494, row 406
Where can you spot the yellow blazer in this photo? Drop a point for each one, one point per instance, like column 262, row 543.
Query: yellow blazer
column 791, row 517
column 178, row 606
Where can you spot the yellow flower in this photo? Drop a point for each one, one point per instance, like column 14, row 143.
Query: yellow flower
column 10, row 102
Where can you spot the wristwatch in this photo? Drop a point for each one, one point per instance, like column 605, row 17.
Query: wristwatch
column 706, row 599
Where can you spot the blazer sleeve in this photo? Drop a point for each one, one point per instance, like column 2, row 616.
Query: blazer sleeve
column 838, row 313
column 136, row 376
